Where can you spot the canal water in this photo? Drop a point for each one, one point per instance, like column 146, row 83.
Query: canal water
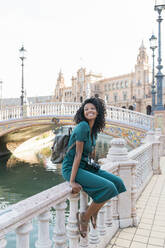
column 21, row 180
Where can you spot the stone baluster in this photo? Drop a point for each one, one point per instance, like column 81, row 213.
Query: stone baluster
column 93, row 234
column 83, row 201
column 22, row 233
column 83, row 207
column 101, row 221
column 43, row 231
column 72, row 229
column 108, row 213
column 60, row 230
column 156, row 158
column 115, row 214
column 161, row 138
column 3, row 242
column 118, row 154
column 134, row 196
column 150, row 138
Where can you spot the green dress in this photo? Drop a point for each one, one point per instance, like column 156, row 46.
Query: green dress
column 99, row 185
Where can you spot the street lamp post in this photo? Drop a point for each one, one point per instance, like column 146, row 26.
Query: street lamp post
column 22, row 57
column 159, row 6
column 153, row 46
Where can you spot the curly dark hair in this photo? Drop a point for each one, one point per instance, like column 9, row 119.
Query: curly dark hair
column 100, row 119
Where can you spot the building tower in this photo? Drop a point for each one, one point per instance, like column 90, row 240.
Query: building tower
column 141, row 82
column 60, row 85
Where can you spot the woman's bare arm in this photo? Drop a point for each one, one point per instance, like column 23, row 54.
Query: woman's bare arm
column 79, row 149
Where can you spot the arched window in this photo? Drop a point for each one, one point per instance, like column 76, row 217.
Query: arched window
column 130, row 107
column 148, row 110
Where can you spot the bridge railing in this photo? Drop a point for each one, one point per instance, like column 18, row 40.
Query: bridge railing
column 135, row 168
column 130, row 117
column 114, row 114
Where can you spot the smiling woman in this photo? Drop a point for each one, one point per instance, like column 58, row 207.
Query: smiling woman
column 77, row 168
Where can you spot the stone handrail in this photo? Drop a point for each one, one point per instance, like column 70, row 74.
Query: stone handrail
column 118, row 212
column 130, row 118
column 19, row 218
column 114, row 114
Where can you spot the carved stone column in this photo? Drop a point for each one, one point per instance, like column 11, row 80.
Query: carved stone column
column 83, row 207
column 22, row 233
column 118, row 155
column 108, row 213
column 72, row 229
column 60, row 230
column 43, row 231
column 3, row 242
column 101, row 221
column 160, row 138
column 94, row 233
column 153, row 138
column 156, row 158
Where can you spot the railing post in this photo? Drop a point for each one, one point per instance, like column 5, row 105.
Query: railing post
column 93, row 234
column 43, row 231
column 60, row 231
column 22, row 233
column 160, row 137
column 101, row 221
column 72, row 229
column 3, row 242
column 154, row 139
column 108, row 214
column 156, row 158
column 83, row 207
column 126, row 169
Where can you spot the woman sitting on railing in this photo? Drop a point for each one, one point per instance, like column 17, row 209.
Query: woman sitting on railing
column 78, row 169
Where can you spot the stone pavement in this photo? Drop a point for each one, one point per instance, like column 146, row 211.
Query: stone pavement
column 150, row 233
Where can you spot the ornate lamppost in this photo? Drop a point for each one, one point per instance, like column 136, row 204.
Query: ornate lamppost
column 159, row 6
column 22, row 57
column 153, row 46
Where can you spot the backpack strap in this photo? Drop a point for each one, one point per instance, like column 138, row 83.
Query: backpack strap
column 69, row 131
column 69, row 148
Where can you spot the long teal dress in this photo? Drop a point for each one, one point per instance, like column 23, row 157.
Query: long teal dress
column 99, row 185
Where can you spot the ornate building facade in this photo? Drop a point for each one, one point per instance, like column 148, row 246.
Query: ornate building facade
column 132, row 90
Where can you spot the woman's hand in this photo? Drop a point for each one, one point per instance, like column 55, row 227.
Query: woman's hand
column 75, row 187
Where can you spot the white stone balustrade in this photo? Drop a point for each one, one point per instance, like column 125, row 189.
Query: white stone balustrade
column 22, row 233
column 43, row 231
column 101, row 221
column 135, row 168
column 72, row 228
column 114, row 114
column 3, row 242
column 60, row 230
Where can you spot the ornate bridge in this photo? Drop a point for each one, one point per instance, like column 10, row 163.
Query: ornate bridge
column 20, row 124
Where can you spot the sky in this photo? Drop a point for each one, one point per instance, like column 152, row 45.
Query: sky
column 102, row 35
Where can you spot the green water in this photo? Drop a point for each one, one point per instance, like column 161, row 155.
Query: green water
column 22, row 180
